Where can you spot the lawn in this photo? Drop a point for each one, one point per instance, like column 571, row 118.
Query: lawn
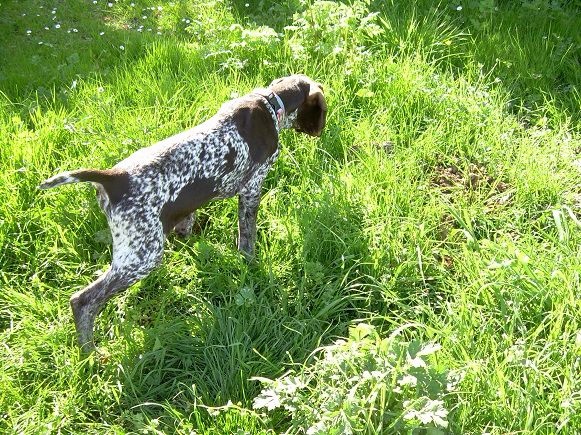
column 418, row 265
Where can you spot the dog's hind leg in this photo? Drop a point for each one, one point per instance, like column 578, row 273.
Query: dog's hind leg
column 133, row 258
column 88, row 302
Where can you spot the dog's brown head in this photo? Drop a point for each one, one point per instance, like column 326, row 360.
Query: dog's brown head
column 304, row 102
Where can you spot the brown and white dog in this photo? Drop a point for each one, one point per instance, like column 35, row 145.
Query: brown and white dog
column 157, row 189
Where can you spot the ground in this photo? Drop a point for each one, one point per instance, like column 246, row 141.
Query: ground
column 417, row 265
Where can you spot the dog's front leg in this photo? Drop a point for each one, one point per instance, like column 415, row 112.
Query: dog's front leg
column 248, row 203
column 185, row 226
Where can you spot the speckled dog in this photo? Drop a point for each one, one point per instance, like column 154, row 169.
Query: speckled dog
column 158, row 188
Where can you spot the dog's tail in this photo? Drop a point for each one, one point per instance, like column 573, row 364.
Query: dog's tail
column 103, row 177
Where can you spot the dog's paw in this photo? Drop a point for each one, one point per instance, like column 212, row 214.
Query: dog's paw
column 183, row 233
column 184, row 228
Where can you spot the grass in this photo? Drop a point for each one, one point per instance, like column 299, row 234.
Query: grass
column 434, row 225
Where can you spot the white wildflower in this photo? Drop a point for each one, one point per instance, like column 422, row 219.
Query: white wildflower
column 432, row 411
column 266, row 399
column 408, row 380
column 429, row 349
column 416, row 362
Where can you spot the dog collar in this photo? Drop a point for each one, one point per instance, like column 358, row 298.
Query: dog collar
column 274, row 101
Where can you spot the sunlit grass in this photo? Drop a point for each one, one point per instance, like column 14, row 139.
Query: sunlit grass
column 440, row 206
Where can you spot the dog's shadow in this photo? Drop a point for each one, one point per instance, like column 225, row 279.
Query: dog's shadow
column 185, row 324
column 208, row 320
column 199, row 328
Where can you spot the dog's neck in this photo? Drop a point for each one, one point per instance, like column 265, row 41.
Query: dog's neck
column 276, row 107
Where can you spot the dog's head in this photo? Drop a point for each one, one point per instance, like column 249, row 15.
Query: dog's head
column 305, row 105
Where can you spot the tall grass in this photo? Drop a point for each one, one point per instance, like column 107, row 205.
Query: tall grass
column 417, row 267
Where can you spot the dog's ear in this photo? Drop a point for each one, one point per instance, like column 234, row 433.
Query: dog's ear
column 276, row 81
column 312, row 114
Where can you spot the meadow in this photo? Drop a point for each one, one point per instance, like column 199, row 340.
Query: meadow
column 418, row 265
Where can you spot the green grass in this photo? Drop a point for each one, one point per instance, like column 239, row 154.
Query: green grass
column 441, row 205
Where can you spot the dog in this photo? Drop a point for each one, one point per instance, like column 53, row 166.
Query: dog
column 158, row 188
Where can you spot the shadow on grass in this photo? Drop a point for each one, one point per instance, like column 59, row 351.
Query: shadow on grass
column 46, row 49
column 535, row 54
column 213, row 321
column 275, row 14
